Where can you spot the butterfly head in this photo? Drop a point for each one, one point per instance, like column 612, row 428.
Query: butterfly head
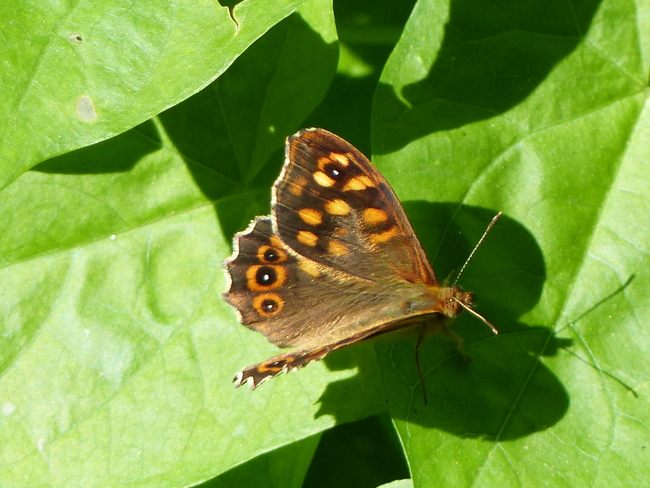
column 454, row 300
column 457, row 299
column 445, row 300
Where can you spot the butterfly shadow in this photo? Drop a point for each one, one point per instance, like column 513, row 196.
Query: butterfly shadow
column 499, row 386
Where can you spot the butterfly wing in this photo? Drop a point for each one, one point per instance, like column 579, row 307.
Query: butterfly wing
column 296, row 302
column 296, row 359
column 337, row 261
column 332, row 206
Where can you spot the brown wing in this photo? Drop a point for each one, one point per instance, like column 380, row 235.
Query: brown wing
column 337, row 262
column 332, row 206
column 296, row 302
column 257, row 374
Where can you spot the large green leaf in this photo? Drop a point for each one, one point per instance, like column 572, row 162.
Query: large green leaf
column 117, row 353
column 284, row 467
column 117, row 350
column 539, row 110
column 366, row 453
column 74, row 73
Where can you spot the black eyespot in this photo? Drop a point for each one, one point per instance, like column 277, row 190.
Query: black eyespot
column 269, row 306
column 334, row 172
column 271, row 255
column 265, row 276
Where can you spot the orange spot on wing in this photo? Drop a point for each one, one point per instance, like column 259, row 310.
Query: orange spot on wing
column 311, row 216
column 307, row 238
column 268, row 304
column 280, row 255
column 374, row 216
column 279, row 274
column 358, row 183
column 333, row 157
column 383, row 236
column 337, row 207
column 340, row 158
column 337, row 248
column 322, row 179
column 309, row 267
column 322, row 162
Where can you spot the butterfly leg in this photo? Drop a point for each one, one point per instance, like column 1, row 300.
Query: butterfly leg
column 460, row 343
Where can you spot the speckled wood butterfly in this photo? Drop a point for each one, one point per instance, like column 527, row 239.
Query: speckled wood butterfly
column 336, row 262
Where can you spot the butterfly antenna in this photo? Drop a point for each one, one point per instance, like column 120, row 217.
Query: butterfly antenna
column 471, row 255
column 476, row 314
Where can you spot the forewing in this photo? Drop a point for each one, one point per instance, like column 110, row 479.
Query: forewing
column 332, row 206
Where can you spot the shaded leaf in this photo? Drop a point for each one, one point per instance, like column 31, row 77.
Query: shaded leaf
column 76, row 74
column 118, row 352
column 503, row 107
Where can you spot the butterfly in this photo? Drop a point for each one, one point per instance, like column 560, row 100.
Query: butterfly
column 336, row 262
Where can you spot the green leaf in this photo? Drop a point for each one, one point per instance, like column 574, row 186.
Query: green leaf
column 399, row 484
column 117, row 351
column 538, row 110
column 78, row 73
column 366, row 453
column 284, row 467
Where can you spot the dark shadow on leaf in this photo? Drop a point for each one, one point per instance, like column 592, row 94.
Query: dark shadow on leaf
column 116, row 155
column 504, row 392
column 362, row 454
column 230, row 5
column 492, row 56
column 366, row 383
column 232, row 133
column 290, row 461
column 368, row 31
